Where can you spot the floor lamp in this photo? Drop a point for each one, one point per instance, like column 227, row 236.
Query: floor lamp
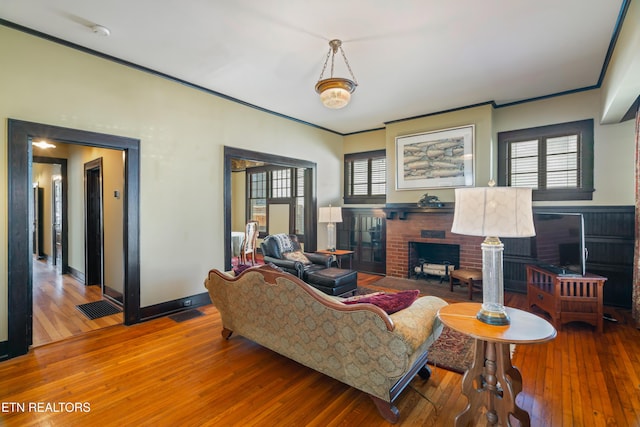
column 493, row 212
column 330, row 215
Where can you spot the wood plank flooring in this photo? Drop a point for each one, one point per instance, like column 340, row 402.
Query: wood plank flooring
column 55, row 296
column 164, row 373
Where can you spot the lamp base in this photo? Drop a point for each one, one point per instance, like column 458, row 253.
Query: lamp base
column 331, row 237
column 498, row 318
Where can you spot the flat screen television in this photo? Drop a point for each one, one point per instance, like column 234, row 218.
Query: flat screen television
column 559, row 243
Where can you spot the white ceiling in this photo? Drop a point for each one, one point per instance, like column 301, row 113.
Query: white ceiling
column 410, row 57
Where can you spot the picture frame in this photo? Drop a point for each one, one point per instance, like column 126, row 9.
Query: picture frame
column 438, row 159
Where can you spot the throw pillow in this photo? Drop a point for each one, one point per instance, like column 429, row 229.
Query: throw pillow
column 240, row 268
column 297, row 256
column 389, row 302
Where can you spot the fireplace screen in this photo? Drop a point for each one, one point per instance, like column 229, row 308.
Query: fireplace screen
column 432, row 260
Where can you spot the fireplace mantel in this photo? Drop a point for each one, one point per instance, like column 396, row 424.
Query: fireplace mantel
column 401, row 210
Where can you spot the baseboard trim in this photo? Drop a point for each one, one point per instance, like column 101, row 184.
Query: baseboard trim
column 4, row 350
column 76, row 274
column 175, row 306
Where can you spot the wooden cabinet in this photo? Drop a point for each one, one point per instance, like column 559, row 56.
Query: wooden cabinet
column 363, row 231
column 566, row 298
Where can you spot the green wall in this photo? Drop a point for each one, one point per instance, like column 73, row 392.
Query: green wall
column 182, row 133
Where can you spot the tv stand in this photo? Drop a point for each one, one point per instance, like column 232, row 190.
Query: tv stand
column 566, row 298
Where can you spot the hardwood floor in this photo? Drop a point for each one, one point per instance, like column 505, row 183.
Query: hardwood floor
column 164, row 373
column 55, row 296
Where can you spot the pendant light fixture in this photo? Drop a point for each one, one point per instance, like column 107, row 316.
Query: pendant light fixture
column 335, row 92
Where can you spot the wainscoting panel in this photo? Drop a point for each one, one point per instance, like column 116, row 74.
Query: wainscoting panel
column 609, row 238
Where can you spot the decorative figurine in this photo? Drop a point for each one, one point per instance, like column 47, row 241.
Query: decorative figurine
column 428, row 201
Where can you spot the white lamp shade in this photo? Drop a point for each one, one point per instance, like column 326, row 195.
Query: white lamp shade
column 493, row 211
column 330, row 214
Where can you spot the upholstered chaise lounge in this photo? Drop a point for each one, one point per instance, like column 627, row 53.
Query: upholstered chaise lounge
column 360, row 344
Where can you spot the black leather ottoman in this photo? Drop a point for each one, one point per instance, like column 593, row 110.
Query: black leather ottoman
column 334, row 281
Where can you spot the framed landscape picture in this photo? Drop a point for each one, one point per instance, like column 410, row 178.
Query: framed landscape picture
column 438, row 159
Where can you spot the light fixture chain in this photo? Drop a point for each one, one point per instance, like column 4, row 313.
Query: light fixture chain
column 324, row 67
column 348, row 66
column 333, row 60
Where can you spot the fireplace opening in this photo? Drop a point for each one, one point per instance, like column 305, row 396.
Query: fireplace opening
column 432, row 259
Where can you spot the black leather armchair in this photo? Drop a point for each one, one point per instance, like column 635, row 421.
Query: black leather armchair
column 272, row 254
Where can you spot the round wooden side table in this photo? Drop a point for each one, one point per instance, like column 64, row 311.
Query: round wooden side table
column 492, row 381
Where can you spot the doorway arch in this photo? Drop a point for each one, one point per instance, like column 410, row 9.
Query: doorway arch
column 20, row 134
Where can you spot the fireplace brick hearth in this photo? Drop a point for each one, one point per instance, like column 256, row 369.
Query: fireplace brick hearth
column 408, row 225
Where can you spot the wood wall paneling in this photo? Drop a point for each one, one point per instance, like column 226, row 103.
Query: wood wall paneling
column 609, row 238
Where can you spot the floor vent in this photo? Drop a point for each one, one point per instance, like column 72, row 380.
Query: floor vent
column 97, row 309
column 186, row 315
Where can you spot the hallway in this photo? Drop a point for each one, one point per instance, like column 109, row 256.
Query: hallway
column 55, row 296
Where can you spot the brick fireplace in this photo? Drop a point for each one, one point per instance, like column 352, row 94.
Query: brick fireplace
column 407, row 224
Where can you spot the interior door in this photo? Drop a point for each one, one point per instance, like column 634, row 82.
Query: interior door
column 93, row 223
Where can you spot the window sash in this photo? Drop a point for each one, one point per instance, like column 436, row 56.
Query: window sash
column 274, row 184
column 365, row 177
column 280, row 184
column 545, row 163
column 555, row 160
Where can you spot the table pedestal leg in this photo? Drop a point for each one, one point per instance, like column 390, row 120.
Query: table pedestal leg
column 494, row 383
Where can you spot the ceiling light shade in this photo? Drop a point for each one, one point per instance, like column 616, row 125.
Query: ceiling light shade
column 335, row 92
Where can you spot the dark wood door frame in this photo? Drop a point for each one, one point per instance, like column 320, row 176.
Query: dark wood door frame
column 20, row 281
column 310, row 198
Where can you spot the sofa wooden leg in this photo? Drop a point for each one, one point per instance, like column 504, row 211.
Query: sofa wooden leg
column 226, row 333
column 425, row 372
column 388, row 410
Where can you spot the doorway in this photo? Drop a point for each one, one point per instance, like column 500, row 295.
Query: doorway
column 309, row 215
column 55, row 182
column 57, row 216
column 36, row 215
column 57, row 294
column 20, row 250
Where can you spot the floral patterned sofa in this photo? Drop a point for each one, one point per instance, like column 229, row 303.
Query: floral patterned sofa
column 360, row 344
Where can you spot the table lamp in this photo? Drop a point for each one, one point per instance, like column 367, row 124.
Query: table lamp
column 330, row 215
column 493, row 212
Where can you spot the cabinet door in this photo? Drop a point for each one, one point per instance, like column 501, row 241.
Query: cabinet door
column 363, row 231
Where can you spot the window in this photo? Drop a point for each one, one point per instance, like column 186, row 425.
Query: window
column 365, row 177
column 257, row 202
column 556, row 161
column 299, row 223
column 275, row 185
column 281, row 183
